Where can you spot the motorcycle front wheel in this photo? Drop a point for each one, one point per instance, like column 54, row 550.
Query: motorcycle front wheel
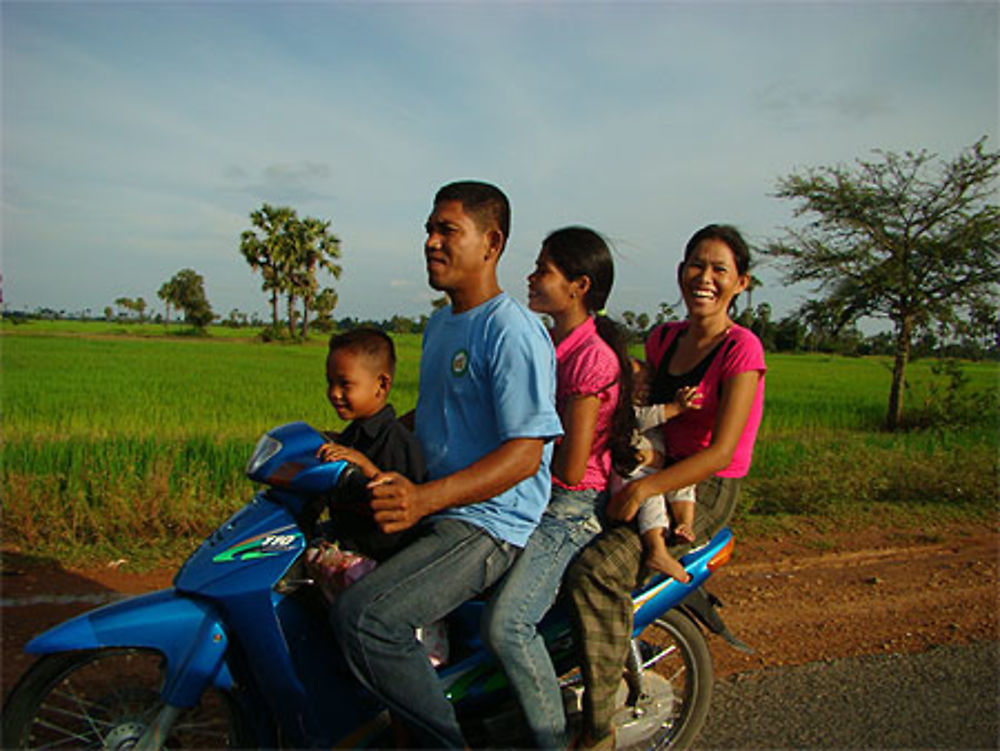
column 678, row 680
column 106, row 699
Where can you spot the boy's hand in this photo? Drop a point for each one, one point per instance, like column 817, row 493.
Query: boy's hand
column 332, row 452
column 688, row 397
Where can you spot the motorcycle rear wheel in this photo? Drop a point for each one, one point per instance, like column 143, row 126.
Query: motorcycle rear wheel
column 679, row 680
column 105, row 699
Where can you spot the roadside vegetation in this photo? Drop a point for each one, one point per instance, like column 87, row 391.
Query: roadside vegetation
column 133, row 447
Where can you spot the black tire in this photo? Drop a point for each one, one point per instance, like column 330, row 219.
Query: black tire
column 105, row 699
column 683, row 672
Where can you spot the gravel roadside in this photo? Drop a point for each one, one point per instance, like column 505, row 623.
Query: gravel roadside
column 948, row 697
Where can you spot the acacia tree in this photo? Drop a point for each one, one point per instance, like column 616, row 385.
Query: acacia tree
column 903, row 238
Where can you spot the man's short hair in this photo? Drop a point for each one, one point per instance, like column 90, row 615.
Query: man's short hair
column 485, row 203
column 370, row 342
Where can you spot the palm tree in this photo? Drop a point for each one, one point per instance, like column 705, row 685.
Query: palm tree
column 167, row 293
column 315, row 249
column 288, row 252
column 266, row 249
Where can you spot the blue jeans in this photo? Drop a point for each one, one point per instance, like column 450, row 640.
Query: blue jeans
column 374, row 619
column 510, row 623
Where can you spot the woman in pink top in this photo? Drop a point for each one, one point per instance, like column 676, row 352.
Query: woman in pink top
column 570, row 283
column 711, row 446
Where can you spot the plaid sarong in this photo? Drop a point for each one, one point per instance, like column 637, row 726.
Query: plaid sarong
column 599, row 587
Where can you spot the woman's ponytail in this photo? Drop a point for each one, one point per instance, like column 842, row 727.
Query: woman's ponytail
column 624, row 457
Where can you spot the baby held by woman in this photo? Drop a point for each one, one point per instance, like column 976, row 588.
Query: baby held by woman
column 653, row 519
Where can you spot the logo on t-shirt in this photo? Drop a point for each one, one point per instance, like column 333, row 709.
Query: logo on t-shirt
column 460, row 363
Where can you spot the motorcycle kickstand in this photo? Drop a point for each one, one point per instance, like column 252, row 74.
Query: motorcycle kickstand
column 156, row 734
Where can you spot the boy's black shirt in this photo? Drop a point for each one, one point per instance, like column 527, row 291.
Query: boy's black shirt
column 388, row 443
column 392, row 448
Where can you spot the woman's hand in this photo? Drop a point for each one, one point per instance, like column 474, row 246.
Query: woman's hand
column 624, row 505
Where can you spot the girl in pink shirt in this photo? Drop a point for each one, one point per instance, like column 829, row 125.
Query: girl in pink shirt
column 571, row 281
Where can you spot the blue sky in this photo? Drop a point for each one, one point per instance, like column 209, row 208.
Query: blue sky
column 138, row 136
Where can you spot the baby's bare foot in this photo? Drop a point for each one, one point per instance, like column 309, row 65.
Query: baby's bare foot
column 667, row 564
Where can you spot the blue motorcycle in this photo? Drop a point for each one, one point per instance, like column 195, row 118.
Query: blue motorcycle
column 239, row 652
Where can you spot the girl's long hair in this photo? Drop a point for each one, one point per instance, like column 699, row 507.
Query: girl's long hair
column 577, row 252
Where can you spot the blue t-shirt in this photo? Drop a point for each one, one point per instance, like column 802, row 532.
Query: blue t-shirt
column 488, row 375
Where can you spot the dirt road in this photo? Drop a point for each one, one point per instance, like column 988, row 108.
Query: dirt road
column 813, row 597
column 797, row 599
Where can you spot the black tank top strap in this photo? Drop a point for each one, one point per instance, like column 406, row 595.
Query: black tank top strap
column 665, row 384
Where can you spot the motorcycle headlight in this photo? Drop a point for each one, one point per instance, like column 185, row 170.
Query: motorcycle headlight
column 265, row 449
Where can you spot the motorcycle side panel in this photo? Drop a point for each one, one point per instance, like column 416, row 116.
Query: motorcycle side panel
column 248, row 553
column 187, row 632
column 324, row 703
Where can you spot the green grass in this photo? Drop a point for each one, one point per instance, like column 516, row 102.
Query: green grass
column 56, row 387
column 132, row 444
column 41, row 327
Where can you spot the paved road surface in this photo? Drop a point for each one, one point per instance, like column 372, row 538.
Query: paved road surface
column 946, row 698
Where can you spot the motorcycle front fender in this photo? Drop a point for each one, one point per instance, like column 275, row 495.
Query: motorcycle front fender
column 188, row 633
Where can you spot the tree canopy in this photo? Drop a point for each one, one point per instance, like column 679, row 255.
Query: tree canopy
column 288, row 252
column 186, row 291
column 902, row 237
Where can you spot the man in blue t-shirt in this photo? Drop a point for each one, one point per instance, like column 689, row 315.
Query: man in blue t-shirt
column 486, row 421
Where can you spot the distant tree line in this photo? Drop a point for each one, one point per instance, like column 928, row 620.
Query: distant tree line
column 812, row 329
column 794, row 333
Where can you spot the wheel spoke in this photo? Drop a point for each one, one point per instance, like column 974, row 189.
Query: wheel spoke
column 82, row 705
column 68, row 737
column 659, row 656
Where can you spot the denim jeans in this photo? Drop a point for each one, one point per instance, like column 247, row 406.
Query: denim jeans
column 374, row 619
column 510, row 623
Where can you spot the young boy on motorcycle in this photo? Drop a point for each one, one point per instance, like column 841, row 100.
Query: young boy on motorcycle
column 360, row 367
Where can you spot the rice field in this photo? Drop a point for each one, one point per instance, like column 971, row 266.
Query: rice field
column 134, row 445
